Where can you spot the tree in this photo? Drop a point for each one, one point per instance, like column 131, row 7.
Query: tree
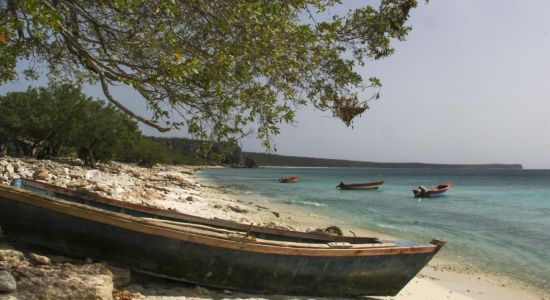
column 60, row 119
column 41, row 117
column 103, row 132
column 221, row 67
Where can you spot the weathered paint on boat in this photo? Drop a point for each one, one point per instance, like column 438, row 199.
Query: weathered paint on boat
column 208, row 257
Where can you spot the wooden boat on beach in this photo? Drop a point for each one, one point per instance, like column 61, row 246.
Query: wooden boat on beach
column 434, row 191
column 133, row 209
column 361, row 186
column 208, row 255
column 289, row 179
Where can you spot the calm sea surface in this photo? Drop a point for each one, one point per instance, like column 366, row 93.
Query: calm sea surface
column 497, row 220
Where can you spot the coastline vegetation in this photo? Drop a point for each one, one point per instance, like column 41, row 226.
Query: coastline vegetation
column 265, row 159
column 60, row 120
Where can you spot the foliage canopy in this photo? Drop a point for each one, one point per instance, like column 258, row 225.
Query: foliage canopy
column 217, row 67
column 60, row 119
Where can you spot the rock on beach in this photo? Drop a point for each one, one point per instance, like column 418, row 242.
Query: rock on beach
column 159, row 186
column 40, row 174
column 7, row 282
column 44, row 279
column 39, row 259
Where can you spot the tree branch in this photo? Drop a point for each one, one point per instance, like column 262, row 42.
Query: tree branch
column 105, row 87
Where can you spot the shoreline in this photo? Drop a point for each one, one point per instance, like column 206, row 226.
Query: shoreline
column 183, row 189
column 442, row 278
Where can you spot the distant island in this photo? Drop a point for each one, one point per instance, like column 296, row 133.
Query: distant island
column 263, row 159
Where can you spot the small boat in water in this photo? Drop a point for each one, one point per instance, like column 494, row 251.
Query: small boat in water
column 434, row 191
column 207, row 255
column 360, row 186
column 289, row 179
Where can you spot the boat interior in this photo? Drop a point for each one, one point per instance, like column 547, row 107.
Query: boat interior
column 209, row 227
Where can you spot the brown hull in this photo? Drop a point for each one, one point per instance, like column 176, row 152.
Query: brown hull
column 361, row 186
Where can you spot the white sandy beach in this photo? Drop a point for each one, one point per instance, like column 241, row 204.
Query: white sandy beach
column 176, row 188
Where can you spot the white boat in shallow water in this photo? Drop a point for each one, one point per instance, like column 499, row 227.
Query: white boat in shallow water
column 434, row 191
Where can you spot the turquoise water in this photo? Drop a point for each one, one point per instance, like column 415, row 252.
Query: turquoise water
column 497, row 220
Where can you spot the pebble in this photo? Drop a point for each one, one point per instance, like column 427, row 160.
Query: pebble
column 10, row 169
column 39, row 259
column 40, row 175
column 7, row 282
column 4, row 265
column 121, row 277
column 11, row 256
column 102, row 187
column 238, row 209
column 78, row 183
column 201, row 291
column 227, row 292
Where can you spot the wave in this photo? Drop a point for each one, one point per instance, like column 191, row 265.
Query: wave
column 306, row 203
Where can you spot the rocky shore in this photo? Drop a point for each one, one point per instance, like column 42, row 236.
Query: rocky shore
column 165, row 187
column 28, row 275
column 25, row 275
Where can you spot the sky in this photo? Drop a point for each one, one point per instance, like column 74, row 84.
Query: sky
column 471, row 84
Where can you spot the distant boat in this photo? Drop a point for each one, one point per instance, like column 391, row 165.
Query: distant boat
column 360, row 186
column 210, row 256
column 434, row 191
column 289, row 179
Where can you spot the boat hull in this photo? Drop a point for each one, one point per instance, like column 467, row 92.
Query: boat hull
column 361, row 186
column 438, row 191
column 293, row 179
column 103, row 236
column 438, row 194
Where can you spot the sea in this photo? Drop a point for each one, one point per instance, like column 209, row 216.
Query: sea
column 495, row 220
